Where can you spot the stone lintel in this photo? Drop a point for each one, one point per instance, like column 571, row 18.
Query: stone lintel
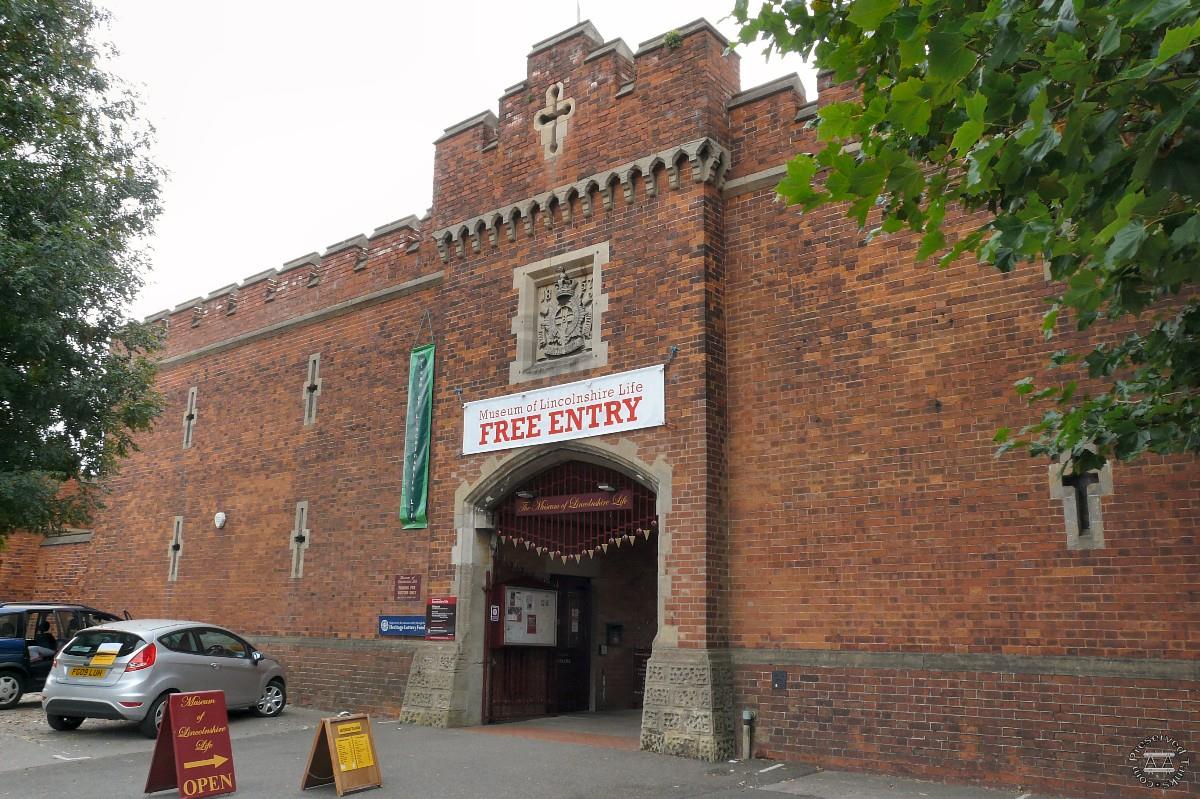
column 263, row 275
column 312, row 259
column 410, row 222
column 69, row 537
column 754, row 181
column 786, row 83
column 354, row 242
column 807, row 111
column 486, row 118
column 515, row 88
column 221, row 292
column 687, row 30
column 585, row 28
column 192, row 303
column 617, row 46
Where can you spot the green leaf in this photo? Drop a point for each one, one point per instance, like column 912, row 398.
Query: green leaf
column 867, row 14
column 838, row 121
column 1126, row 243
column 1110, row 40
column 949, row 59
column 1176, row 40
column 1024, row 385
column 966, row 136
column 1188, row 232
column 909, row 109
column 796, row 188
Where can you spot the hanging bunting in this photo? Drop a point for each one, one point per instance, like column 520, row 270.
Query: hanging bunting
column 414, row 493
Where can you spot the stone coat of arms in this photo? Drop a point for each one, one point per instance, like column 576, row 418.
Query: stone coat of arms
column 564, row 317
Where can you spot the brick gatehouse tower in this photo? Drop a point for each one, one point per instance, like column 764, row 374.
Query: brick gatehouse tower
column 676, row 449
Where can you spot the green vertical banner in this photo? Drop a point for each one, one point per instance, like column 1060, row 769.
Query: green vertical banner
column 414, row 495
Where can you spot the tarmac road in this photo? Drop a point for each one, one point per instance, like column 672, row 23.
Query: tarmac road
column 108, row 759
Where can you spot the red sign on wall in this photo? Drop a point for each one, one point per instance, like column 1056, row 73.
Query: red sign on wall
column 192, row 751
column 408, row 588
column 575, row 503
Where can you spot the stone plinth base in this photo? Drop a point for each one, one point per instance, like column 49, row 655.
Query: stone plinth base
column 688, row 706
column 429, row 694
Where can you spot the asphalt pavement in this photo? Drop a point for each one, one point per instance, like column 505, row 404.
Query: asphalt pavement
column 110, row 759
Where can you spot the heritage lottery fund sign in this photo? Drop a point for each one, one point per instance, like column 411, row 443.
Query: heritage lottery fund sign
column 609, row 404
column 192, row 751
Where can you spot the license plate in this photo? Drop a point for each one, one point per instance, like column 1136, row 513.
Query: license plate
column 86, row 672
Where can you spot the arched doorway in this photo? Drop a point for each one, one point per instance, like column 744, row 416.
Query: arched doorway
column 571, row 610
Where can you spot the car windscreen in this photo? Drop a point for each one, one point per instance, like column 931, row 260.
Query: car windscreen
column 86, row 643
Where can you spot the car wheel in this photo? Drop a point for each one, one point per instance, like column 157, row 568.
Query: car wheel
column 12, row 686
column 63, row 723
column 154, row 716
column 273, row 698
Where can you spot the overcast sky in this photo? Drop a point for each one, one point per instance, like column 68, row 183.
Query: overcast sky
column 288, row 126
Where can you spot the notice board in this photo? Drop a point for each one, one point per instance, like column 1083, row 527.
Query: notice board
column 530, row 617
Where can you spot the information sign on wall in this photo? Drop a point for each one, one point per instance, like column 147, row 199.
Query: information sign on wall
column 411, row 626
column 530, row 617
column 440, row 616
column 608, row 404
column 408, row 588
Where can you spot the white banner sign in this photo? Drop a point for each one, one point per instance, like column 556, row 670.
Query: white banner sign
column 609, row 404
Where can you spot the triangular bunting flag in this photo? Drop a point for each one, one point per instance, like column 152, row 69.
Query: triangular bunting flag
column 604, row 547
column 647, row 534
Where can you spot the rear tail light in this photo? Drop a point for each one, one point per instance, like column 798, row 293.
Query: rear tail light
column 143, row 660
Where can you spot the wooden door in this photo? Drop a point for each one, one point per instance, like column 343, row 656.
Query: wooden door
column 570, row 683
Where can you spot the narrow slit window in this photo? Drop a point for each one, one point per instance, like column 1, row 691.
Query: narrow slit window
column 189, row 418
column 175, row 550
column 300, row 536
column 312, row 389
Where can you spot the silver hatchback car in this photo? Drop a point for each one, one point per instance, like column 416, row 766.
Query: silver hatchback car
column 126, row 670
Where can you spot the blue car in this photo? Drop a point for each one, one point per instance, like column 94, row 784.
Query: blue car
column 31, row 633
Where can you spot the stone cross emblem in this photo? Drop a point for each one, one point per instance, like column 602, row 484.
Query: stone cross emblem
column 551, row 121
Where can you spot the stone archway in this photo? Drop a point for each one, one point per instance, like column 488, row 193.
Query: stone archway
column 688, row 691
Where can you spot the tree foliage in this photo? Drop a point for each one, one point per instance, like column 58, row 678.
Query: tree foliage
column 1072, row 126
column 76, row 192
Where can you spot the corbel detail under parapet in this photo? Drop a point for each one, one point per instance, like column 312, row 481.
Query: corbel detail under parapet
column 708, row 162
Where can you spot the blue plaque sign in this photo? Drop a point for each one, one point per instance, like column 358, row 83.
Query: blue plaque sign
column 413, row 626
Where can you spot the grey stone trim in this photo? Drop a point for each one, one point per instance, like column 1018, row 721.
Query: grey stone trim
column 709, row 163
column 350, row 644
column 264, row 275
column 626, row 89
column 354, row 242
column 688, row 29
column 786, row 83
column 1070, row 666
column 188, row 304
column 516, row 87
column 410, row 222
column 586, row 262
column 221, row 292
column 483, row 118
column 165, row 313
column 807, row 112
column 74, row 537
column 312, row 259
column 585, row 28
column 753, row 182
column 407, row 287
column 1103, row 487
column 617, row 46
column 416, row 245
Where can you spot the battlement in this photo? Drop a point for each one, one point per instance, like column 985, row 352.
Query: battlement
column 592, row 120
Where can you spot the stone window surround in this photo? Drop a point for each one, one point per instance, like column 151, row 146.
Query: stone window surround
column 189, row 417
column 175, row 550
column 525, row 281
column 1103, row 487
column 310, row 395
column 300, row 536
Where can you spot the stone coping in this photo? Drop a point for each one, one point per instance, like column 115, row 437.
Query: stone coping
column 790, row 82
column 586, row 28
column 685, row 30
column 487, row 118
column 416, row 284
column 993, row 663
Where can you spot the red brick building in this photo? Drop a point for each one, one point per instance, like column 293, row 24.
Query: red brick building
column 815, row 531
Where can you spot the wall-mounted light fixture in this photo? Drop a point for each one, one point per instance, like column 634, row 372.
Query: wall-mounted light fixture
column 526, row 494
column 606, row 487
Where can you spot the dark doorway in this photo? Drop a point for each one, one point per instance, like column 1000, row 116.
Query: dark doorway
column 588, row 561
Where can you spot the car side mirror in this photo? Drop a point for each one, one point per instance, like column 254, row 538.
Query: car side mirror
column 256, row 656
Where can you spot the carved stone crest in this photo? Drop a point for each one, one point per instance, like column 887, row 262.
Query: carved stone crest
column 564, row 316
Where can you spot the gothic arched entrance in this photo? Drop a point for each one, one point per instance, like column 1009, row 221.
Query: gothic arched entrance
column 572, row 600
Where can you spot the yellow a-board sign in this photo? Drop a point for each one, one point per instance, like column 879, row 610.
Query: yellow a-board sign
column 343, row 753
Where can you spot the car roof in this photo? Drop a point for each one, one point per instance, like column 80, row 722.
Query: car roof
column 152, row 626
column 50, row 606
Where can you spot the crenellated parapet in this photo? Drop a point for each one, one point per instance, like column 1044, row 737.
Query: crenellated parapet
column 707, row 161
